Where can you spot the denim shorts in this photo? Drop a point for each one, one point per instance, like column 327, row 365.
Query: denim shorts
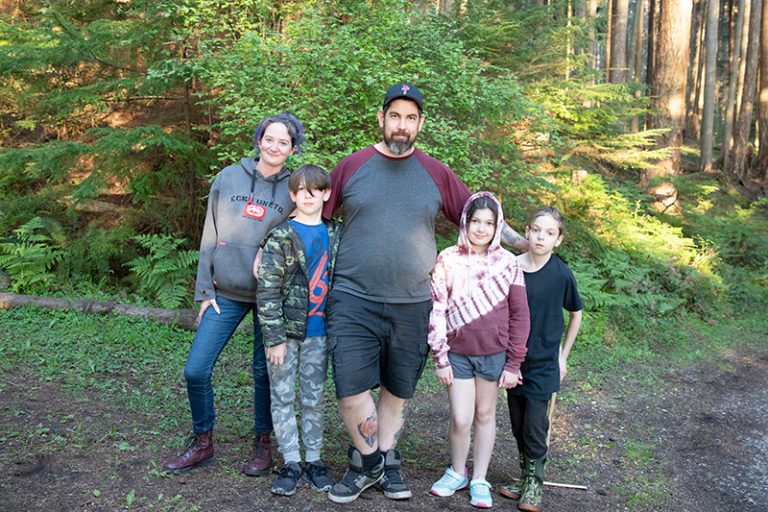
column 374, row 343
column 486, row 367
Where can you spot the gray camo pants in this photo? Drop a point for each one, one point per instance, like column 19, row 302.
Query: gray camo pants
column 310, row 359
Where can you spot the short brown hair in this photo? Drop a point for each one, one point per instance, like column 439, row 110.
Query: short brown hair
column 313, row 176
column 552, row 212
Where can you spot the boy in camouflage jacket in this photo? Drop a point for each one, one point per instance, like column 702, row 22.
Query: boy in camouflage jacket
column 294, row 277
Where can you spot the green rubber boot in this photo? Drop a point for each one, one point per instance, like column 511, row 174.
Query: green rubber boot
column 533, row 491
column 514, row 491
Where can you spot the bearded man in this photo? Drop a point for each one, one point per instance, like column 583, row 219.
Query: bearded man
column 378, row 310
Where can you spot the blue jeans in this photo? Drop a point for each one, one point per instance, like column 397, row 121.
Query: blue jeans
column 213, row 333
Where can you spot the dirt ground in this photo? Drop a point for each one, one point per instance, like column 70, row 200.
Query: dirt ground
column 695, row 440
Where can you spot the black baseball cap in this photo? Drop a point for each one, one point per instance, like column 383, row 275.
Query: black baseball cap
column 404, row 90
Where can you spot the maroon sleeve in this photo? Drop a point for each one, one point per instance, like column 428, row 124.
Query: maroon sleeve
column 340, row 176
column 519, row 326
column 452, row 190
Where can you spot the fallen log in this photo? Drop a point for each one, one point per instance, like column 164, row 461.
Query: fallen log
column 184, row 318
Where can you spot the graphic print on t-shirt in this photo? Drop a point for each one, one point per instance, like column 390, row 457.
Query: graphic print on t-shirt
column 315, row 240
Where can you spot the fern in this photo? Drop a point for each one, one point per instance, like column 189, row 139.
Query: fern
column 31, row 254
column 165, row 273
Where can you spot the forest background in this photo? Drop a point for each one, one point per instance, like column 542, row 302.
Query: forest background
column 647, row 131
column 644, row 121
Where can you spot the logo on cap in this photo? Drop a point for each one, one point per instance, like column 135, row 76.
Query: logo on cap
column 405, row 88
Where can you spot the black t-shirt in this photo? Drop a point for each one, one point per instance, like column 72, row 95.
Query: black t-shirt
column 550, row 289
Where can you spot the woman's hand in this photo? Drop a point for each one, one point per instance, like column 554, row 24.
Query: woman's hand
column 204, row 305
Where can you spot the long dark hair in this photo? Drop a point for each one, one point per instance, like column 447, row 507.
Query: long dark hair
column 481, row 202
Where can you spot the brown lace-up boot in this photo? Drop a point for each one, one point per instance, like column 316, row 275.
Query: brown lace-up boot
column 261, row 462
column 199, row 453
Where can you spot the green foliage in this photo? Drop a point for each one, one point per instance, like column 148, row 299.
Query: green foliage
column 584, row 111
column 149, row 158
column 94, row 260
column 166, row 272
column 529, row 39
column 30, row 255
column 34, row 166
column 631, row 151
column 320, row 68
column 628, row 260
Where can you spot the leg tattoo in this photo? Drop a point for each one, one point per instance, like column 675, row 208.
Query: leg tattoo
column 369, row 430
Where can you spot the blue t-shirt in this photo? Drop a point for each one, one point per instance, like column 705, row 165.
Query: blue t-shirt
column 315, row 240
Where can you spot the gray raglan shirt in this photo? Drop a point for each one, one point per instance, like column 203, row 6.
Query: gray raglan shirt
column 387, row 247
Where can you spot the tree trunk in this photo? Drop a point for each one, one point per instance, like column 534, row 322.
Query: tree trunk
column 743, row 60
column 694, row 72
column 608, row 39
column 743, row 128
column 617, row 72
column 653, row 37
column 569, row 39
column 730, row 102
column 591, row 16
column 710, row 83
column 637, row 57
column 184, row 318
column 760, row 169
column 445, row 7
column 672, row 59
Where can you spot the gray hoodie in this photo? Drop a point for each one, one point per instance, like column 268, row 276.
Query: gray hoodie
column 230, row 237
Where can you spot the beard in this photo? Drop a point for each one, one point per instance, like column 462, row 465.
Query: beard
column 399, row 147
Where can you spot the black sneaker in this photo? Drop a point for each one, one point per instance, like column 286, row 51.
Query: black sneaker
column 392, row 483
column 317, row 476
column 355, row 481
column 285, row 484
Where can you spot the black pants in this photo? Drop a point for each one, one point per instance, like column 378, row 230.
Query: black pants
column 530, row 424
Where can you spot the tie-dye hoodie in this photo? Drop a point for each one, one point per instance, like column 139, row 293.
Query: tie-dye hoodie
column 479, row 300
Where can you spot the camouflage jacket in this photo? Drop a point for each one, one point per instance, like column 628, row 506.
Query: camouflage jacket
column 283, row 290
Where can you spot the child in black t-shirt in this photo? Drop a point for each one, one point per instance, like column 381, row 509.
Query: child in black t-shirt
column 551, row 287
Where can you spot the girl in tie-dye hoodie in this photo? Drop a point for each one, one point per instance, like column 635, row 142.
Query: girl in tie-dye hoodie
column 478, row 330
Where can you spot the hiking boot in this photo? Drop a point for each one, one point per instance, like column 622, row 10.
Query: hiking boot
column 355, row 480
column 392, row 483
column 262, row 455
column 533, row 491
column 317, row 475
column 199, row 453
column 514, row 491
column 449, row 483
column 285, row 484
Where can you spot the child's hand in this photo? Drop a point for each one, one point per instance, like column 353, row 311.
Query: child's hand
column 257, row 264
column 445, row 375
column 276, row 354
column 563, row 368
column 510, row 379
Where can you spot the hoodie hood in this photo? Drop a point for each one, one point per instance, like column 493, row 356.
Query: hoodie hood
column 463, row 242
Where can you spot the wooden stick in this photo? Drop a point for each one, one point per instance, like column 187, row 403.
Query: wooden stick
column 550, row 416
column 562, row 485
column 566, row 486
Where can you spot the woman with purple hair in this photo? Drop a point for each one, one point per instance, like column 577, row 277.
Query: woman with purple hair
column 245, row 202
